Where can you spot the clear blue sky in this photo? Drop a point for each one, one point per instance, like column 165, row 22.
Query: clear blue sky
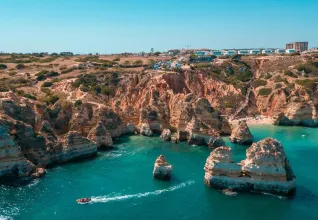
column 113, row 26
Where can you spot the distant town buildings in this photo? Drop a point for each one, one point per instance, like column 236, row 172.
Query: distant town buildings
column 243, row 52
column 280, row 51
column 267, row 51
column 254, row 52
column 297, row 46
column 289, row 51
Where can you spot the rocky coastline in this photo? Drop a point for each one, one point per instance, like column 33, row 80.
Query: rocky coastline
column 190, row 106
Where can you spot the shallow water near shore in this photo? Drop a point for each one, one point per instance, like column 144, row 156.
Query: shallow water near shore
column 121, row 185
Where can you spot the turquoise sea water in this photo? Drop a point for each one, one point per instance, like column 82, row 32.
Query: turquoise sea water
column 121, row 184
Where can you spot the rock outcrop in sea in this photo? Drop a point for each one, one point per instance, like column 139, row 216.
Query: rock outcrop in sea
column 166, row 135
column 265, row 169
column 162, row 169
column 241, row 133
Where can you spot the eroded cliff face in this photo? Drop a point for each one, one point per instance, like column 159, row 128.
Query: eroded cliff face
column 33, row 136
column 194, row 104
column 265, row 169
column 167, row 101
column 12, row 161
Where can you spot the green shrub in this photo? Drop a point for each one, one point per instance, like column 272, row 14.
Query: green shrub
column 267, row 76
column 259, row 82
column 278, row 79
column 97, row 83
column 264, row 91
column 307, row 83
column 244, row 76
column 20, row 66
column 307, row 68
column 29, row 96
column 289, row 73
column 12, row 73
column 290, row 85
column 278, row 86
column 116, row 59
column 78, row 103
column 44, row 74
column 45, row 90
column 47, row 84
column 3, row 66
column 52, row 99
column 66, row 70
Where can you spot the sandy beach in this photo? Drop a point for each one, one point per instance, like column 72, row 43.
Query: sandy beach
column 255, row 120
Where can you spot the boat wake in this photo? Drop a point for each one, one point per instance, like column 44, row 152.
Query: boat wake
column 105, row 199
column 5, row 217
column 277, row 196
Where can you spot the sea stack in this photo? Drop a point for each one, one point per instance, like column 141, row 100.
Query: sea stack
column 241, row 134
column 266, row 169
column 162, row 169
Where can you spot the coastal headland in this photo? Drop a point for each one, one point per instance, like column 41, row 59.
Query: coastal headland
column 55, row 109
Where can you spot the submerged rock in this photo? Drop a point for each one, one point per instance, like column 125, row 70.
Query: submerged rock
column 166, row 135
column 266, row 169
column 162, row 169
column 241, row 134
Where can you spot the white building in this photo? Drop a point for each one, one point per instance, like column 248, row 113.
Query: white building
column 229, row 52
column 243, row 52
column 289, row 51
column 253, row 52
column 280, row 51
column 217, row 53
column 267, row 51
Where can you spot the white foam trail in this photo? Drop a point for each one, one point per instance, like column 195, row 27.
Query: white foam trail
column 105, row 199
column 277, row 196
column 5, row 217
column 33, row 183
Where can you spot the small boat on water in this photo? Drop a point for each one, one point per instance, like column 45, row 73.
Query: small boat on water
column 83, row 200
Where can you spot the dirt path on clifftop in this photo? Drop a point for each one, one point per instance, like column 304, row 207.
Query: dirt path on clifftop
column 256, row 72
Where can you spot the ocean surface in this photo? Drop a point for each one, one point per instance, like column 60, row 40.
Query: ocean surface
column 121, row 184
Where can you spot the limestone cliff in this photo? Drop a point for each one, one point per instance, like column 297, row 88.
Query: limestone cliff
column 162, row 169
column 100, row 136
column 12, row 162
column 241, row 133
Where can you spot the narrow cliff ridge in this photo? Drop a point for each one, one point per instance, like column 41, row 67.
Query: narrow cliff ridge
column 162, row 169
column 241, row 133
column 12, row 162
column 266, row 169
